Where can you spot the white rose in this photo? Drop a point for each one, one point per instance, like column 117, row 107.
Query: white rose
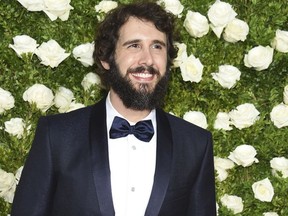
column 173, row 6
column 84, row 54
column 39, row 95
column 227, row 76
column 280, row 42
column 236, row 30
column 259, row 57
column 191, row 69
column 196, row 24
column 232, row 202
column 6, row 100
column 15, row 127
column 217, row 30
column 51, row 53
column 181, row 54
column 105, row 6
column 220, row 14
column 285, row 95
column 244, row 155
column 222, row 121
column 32, row 5
column 221, row 165
column 89, row 80
column 23, row 44
column 74, row 106
column 7, row 186
column 279, row 115
column 63, row 98
column 284, row 173
column 270, row 214
column 197, row 118
column 18, row 174
column 57, row 8
column 244, row 115
column 280, row 164
column 263, row 190
column 222, row 174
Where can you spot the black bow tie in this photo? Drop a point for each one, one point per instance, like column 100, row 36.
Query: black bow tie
column 142, row 130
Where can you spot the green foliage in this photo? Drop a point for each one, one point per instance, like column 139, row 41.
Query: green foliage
column 261, row 88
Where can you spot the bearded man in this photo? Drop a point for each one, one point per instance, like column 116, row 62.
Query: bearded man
column 123, row 156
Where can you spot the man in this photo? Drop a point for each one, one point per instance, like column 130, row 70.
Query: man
column 91, row 162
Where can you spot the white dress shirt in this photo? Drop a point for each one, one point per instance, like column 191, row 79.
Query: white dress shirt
column 132, row 167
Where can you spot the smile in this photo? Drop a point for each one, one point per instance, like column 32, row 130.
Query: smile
column 142, row 75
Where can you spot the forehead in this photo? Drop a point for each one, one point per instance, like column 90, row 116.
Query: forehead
column 135, row 28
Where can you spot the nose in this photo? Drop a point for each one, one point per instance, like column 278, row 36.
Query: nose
column 146, row 57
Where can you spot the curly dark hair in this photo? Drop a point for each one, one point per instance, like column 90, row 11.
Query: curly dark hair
column 108, row 32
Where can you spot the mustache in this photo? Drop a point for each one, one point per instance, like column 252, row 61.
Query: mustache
column 141, row 69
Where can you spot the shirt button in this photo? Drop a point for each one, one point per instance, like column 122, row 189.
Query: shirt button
column 134, row 147
column 133, row 189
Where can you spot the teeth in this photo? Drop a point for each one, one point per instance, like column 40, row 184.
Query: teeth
column 142, row 75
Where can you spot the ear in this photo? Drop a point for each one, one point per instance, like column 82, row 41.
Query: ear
column 105, row 65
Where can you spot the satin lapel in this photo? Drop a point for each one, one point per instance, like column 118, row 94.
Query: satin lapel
column 163, row 164
column 100, row 160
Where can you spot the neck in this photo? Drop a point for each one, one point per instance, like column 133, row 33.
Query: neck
column 130, row 114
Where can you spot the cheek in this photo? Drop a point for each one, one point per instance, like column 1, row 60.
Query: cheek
column 125, row 62
column 161, row 63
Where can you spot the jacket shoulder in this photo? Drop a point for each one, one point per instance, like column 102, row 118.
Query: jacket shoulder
column 182, row 126
column 65, row 118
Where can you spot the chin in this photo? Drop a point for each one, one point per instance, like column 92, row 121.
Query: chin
column 145, row 88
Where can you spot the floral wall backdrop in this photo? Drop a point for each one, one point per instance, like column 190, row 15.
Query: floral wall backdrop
column 230, row 76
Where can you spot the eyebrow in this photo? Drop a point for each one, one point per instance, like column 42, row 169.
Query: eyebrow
column 137, row 41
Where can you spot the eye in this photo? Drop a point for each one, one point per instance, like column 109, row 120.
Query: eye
column 135, row 45
column 157, row 46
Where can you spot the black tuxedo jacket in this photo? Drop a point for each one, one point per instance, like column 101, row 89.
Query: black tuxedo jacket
column 67, row 170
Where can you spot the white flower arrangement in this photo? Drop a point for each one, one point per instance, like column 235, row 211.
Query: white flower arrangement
column 24, row 44
column 244, row 115
column 40, row 95
column 244, row 155
column 89, row 80
column 259, row 57
column 196, row 24
column 51, row 53
column 196, row 117
column 279, row 115
column 15, row 127
column 7, row 100
column 222, row 122
column 173, row 6
column 105, row 6
column 191, row 69
column 220, row 14
column 63, row 99
column 263, row 190
column 227, row 76
column 221, row 167
column 279, row 164
column 52, row 8
column 280, row 41
column 233, row 202
column 84, row 54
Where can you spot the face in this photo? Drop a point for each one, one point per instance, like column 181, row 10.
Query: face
column 138, row 73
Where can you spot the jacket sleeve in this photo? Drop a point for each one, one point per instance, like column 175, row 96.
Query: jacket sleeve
column 202, row 197
column 34, row 191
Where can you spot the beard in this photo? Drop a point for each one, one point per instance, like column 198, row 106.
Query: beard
column 143, row 98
